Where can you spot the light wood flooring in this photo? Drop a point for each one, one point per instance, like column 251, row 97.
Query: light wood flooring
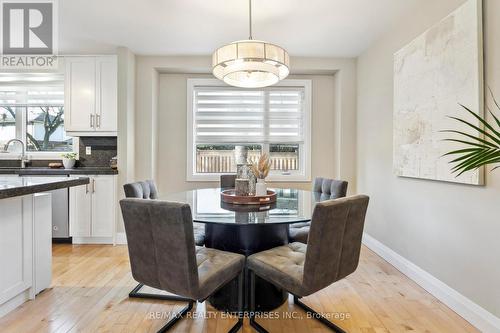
column 91, row 283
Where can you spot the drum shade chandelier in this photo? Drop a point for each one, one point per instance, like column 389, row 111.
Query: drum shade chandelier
column 250, row 63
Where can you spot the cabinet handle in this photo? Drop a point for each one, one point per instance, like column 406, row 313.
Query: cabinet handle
column 92, row 120
column 93, row 185
column 98, row 121
column 86, row 188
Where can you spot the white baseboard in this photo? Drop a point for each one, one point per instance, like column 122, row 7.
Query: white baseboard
column 121, row 238
column 13, row 303
column 470, row 311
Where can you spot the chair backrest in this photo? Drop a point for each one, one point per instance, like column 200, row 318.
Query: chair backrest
column 334, row 242
column 141, row 190
column 161, row 244
column 228, row 181
column 325, row 188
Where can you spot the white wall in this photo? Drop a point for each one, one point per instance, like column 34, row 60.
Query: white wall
column 451, row 231
column 172, row 118
column 126, row 124
column 160, row 119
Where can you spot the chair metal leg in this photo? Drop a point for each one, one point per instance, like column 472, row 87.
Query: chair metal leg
column 253, row 323
column 136, row 294
column 239, row 323
column 317, row 316
column 177, row 317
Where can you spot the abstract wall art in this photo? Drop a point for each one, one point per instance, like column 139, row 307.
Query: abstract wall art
column 433, row 74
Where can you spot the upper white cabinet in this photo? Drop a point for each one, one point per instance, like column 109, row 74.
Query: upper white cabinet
column 90, row 95
column 106, row 94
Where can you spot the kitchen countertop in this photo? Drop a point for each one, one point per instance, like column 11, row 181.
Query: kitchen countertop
column 35, row 171
column 19, row 186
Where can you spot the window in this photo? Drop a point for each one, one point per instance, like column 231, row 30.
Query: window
column 34, row 113
column 273, row 120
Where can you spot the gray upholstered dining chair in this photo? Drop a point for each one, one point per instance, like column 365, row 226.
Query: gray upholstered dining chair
column 147, row 190
column 323, row 189
column 331, row 254
column 142, row 190
column 228, row 181
column 163, row 255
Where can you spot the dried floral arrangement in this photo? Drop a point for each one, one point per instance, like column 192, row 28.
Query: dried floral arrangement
column 261, row 169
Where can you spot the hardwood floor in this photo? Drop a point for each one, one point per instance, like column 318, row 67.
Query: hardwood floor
column 91, row 284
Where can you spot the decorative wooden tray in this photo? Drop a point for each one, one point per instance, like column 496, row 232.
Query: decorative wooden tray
column 230, row 196
column 247, row 208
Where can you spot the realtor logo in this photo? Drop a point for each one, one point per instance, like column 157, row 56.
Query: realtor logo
column 28, row 33
column 27, row 28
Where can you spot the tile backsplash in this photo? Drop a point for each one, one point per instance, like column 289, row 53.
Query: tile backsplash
column 103, row 150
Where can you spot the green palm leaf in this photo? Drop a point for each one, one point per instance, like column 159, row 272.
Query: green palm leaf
column 497, row 105
column 471, row 137
column 477, row 151
column 494, row 117
column 463, row 157
column 476, row 160
column 468, row 143
column 461, row 151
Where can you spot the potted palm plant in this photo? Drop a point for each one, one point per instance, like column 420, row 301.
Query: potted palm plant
column 480, row 150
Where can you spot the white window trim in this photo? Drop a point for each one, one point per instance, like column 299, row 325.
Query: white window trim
column 21, row 129
column 41, row 155
column 304, row 173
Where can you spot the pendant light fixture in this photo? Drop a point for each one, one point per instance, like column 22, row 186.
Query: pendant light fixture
column 250, row 63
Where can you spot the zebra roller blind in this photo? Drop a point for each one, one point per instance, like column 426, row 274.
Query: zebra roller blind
column 231, row 115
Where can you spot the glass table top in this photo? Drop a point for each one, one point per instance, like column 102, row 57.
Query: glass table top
column 291, row 206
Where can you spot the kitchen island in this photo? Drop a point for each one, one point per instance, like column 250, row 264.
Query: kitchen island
column 25, row 236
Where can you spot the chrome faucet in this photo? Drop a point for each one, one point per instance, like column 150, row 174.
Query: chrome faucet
column 24, row 157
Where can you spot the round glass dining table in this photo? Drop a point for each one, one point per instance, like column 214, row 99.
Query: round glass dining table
column 247, row 229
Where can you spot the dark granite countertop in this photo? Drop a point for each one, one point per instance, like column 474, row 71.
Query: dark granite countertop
column 18, row 186
column 40, row 171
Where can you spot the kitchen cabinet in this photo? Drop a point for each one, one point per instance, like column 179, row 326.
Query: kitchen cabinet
column 26, row 237
column 16, row 252
column 25, row 248
column 42, row 226
column 90, row 93
column 92, row 211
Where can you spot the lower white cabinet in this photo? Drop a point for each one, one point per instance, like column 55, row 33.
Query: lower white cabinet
column 25, row 248
column 92, row 210
column 16, row 252
column 42, row 226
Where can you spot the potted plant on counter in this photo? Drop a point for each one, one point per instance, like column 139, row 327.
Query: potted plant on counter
column 69, row 160
column 261, row 170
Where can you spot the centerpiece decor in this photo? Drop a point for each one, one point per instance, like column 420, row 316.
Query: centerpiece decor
column 261, row 170
column 242, row 194
column 230, row 196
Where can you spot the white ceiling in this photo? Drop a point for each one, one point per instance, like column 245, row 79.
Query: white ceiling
column 194, row 27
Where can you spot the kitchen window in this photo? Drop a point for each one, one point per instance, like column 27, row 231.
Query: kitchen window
column 273, row 120
column 34, row 113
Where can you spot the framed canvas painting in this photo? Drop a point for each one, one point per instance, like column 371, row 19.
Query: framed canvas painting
column 433, row 74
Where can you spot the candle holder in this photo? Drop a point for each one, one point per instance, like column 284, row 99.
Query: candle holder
column 242, row 187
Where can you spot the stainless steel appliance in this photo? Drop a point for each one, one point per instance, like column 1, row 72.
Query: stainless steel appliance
column 60, row 212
